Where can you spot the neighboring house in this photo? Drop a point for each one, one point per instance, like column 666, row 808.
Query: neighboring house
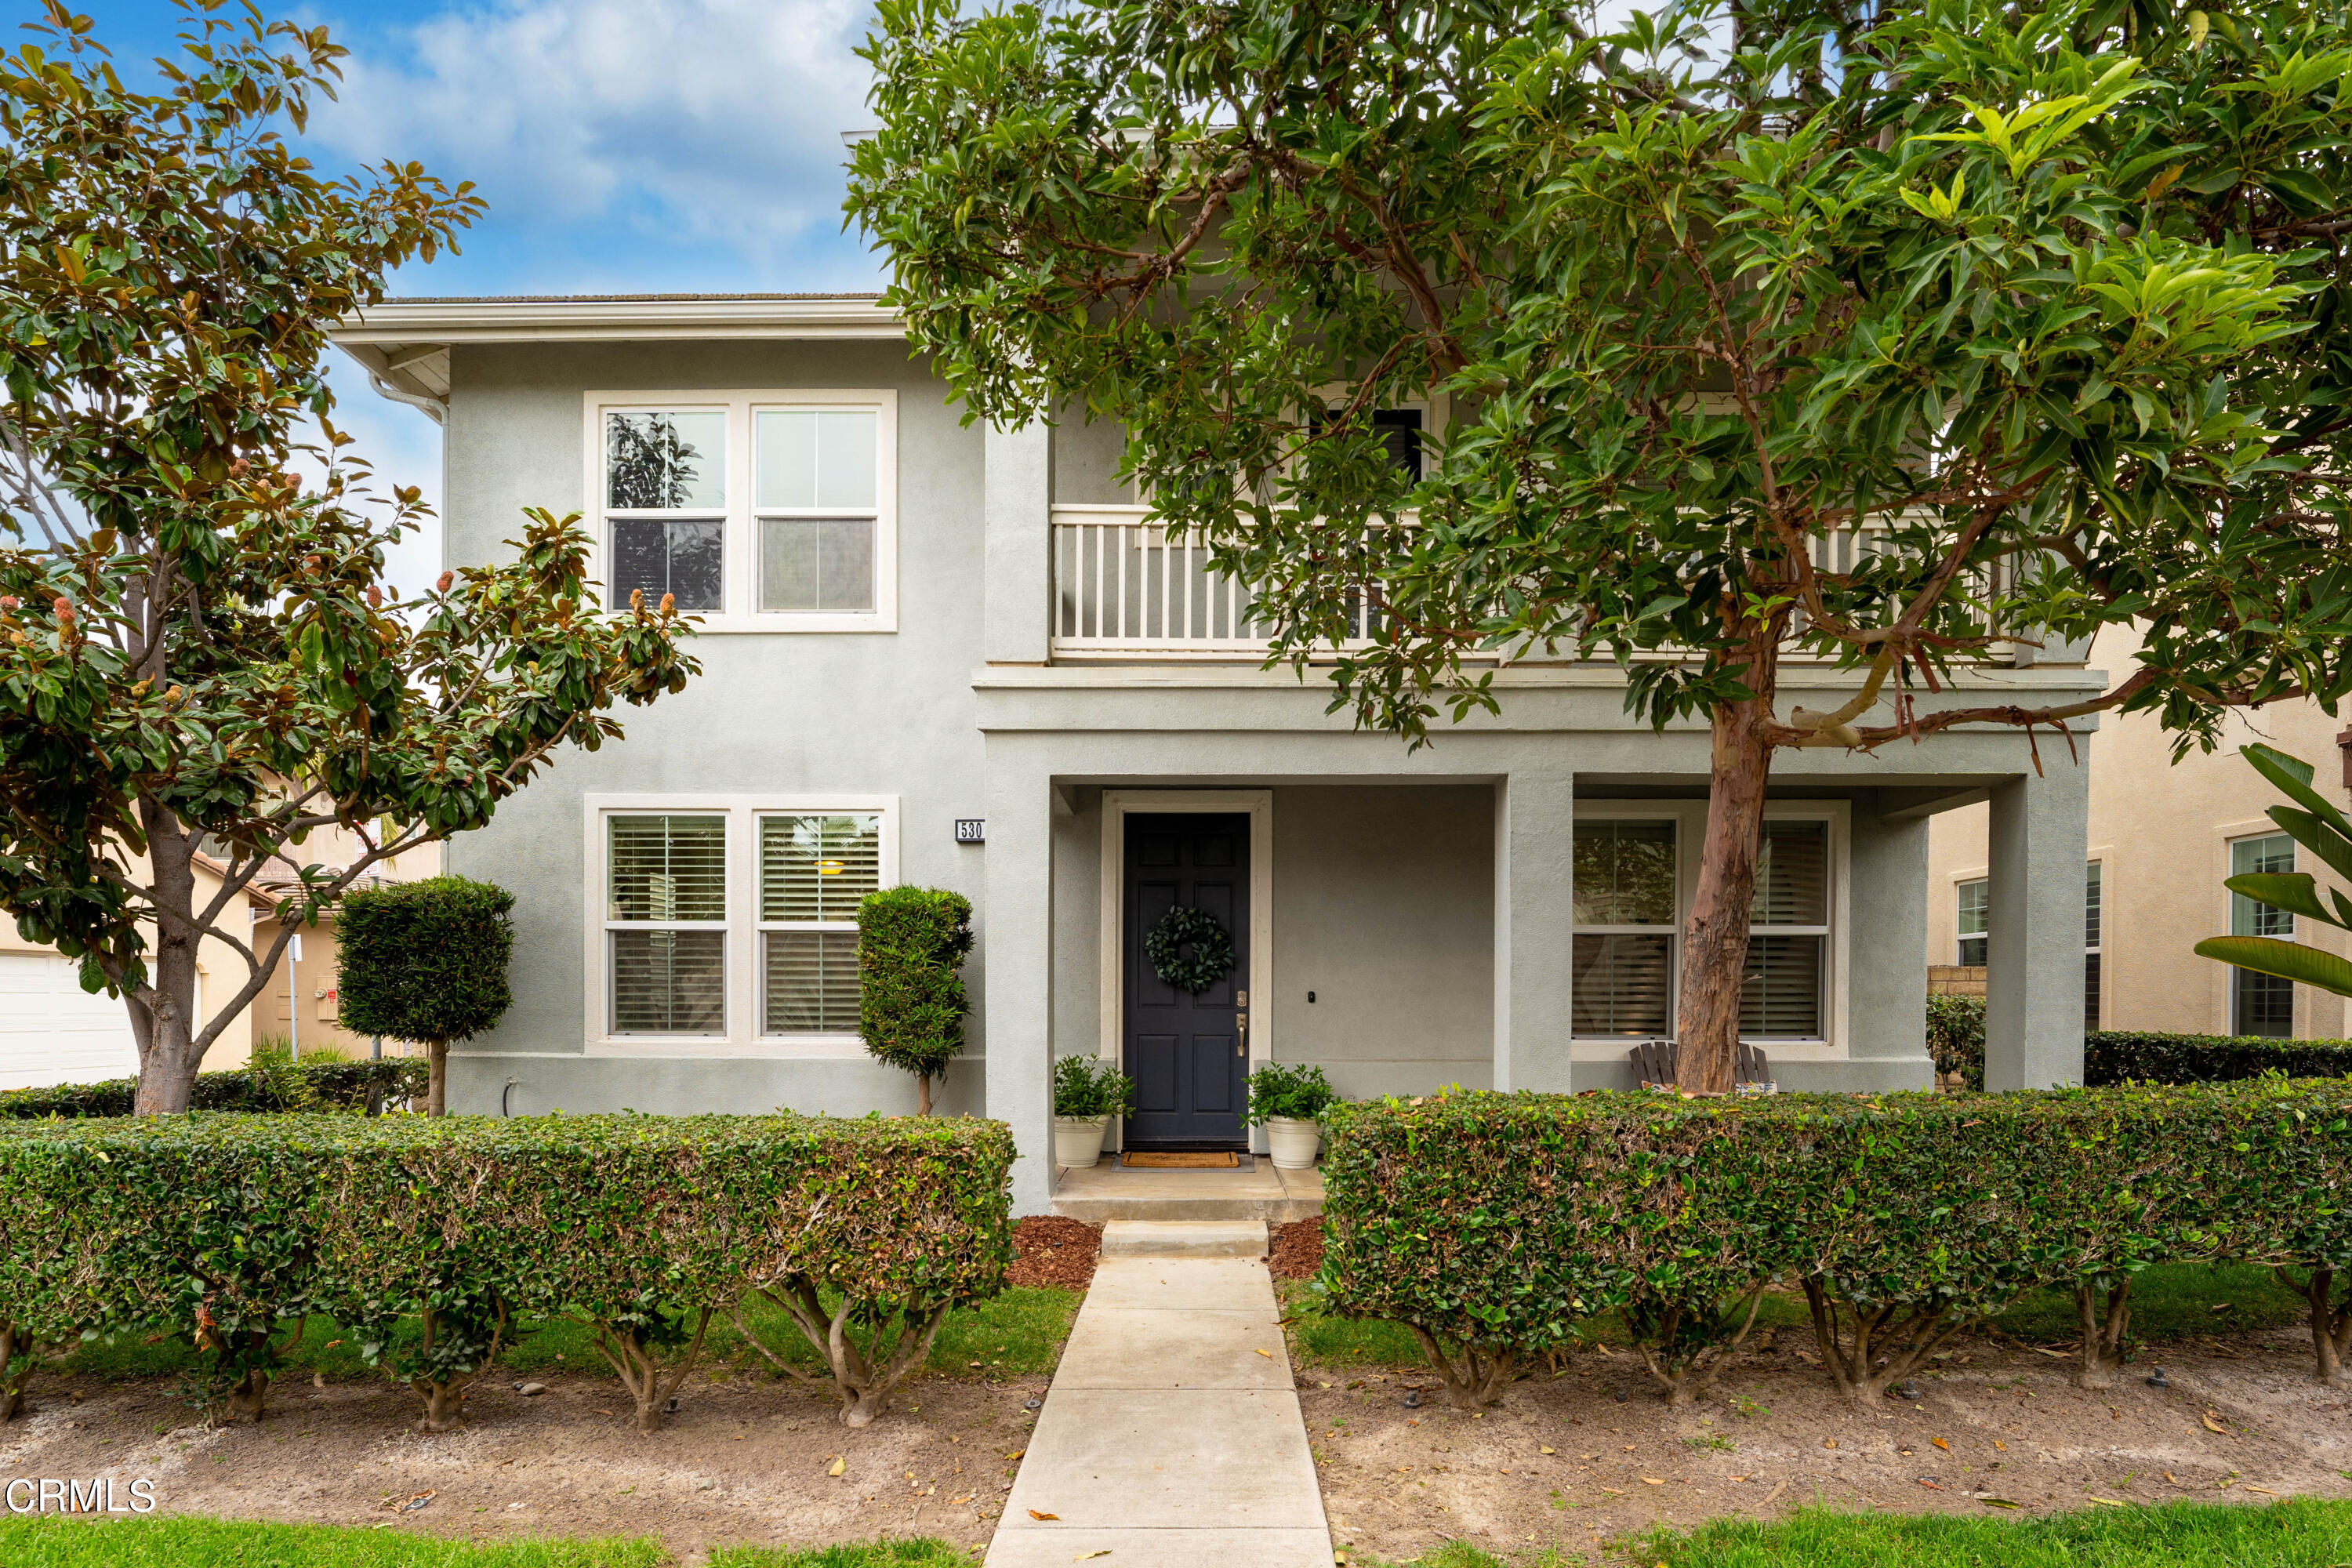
column 52, row 1031
column 2163, row 836
column 948, row 655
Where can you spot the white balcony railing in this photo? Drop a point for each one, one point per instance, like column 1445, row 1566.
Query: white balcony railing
column 1123, row 590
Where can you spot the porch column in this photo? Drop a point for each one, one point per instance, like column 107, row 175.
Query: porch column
column 1016, row 510
column 1534, row 836
column 2037, row 844
column 1019, row 948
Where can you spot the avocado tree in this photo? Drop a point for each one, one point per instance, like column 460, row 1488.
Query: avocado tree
column 426, row 963
column 201, row 661
column 1889, row 343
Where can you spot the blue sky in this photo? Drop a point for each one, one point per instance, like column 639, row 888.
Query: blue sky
column 624, row 146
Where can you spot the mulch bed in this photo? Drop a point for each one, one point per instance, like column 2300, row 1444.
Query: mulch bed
column 1051, row 1250
column 1298, row 1249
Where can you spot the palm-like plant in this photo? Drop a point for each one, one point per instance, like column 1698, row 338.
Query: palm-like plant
column 2319, row 826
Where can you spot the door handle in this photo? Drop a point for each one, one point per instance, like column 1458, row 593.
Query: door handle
column 1241, row 1042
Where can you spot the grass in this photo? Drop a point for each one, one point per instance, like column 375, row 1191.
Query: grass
column 2170, row 1303
column 2301, row 1533
column 909, row 1554
column 1017, row 1333
column 188, row 1542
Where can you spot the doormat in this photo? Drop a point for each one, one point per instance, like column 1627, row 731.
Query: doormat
column 1179, row 1160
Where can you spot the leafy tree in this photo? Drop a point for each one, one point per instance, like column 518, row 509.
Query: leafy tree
column 1889, row 347
column 911, row 1003
column 425, row 961
column 200, row 658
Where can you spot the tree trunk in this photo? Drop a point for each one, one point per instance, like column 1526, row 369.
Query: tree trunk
column 922, row 1094
column 2101, row 1357
column 436, row 1094
column 163, row 1011
column 1715, row 939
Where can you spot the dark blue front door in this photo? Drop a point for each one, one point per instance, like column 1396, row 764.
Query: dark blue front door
column 1187, row 1052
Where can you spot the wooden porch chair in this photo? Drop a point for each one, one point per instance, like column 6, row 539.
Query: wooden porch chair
column 1653, row 1064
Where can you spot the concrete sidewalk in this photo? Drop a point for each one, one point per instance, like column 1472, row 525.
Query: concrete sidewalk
column 1168, row 1438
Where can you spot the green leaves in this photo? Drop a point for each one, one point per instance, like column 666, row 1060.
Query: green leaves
column 1725, row 358
column 2286, row 960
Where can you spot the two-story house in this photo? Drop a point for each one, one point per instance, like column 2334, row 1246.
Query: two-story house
column 945, row 653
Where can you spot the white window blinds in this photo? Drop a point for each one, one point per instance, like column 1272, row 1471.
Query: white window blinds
column 813, row 870
column 666, row 913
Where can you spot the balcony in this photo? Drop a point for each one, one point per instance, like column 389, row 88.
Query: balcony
column 1123, row 592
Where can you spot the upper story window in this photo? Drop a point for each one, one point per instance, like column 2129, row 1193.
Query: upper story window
column 758, row 511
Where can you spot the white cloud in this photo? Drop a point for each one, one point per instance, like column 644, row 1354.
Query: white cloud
column 716, row 121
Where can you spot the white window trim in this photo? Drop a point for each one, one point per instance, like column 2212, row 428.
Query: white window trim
column 1690, row 819
column 2231, row 836
column 1960, row 936
column 740, row 598
column 2099, row 858
column 742, row 812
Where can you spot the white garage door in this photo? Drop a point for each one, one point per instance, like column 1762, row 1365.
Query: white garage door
column 52, row 1031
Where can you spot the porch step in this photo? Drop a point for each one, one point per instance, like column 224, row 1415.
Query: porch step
column 1183, row 1239
column 1103, row 1193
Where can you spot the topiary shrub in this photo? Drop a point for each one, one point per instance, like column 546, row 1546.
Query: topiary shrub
column 911, row 1002
column 426, row 963
column 1956, row 1036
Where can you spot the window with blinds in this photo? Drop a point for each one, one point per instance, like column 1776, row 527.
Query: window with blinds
column 1626, row 880
column 2094, row 912
column 813, row 870
column 666, row 923
column 1781, row 990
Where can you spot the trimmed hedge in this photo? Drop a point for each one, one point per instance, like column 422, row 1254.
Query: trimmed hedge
column 425, row 961
column 225, row 1230
column 2116, row 1056
column 362, row 1088
column 1490, row 1222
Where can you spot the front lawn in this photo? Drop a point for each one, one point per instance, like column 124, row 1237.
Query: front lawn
column 2299, row 1534
column 189, row 1542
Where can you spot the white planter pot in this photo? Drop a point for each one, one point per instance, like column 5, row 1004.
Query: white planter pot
column 1292, row 1144
column 1078, row 1140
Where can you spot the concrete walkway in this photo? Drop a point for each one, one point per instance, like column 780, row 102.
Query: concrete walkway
column 1171, row 1436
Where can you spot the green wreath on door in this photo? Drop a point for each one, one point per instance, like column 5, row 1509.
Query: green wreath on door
column 1210, row 957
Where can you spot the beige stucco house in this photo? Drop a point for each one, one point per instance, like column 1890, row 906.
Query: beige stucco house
column 2163, row 836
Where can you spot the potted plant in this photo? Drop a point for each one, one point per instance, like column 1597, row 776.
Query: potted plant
column 1087, row 1093
column 1288, row 1102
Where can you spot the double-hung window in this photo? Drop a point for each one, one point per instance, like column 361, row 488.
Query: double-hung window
column 755, row 511
column 814, row 870
column 729, row 922
column 1627, row 879
column 666, row 507
column 666, row 923
column 1632, row 889
column 2094, row 922
column 1788, row 933
column 1975, row 907
column 2260, row 1004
